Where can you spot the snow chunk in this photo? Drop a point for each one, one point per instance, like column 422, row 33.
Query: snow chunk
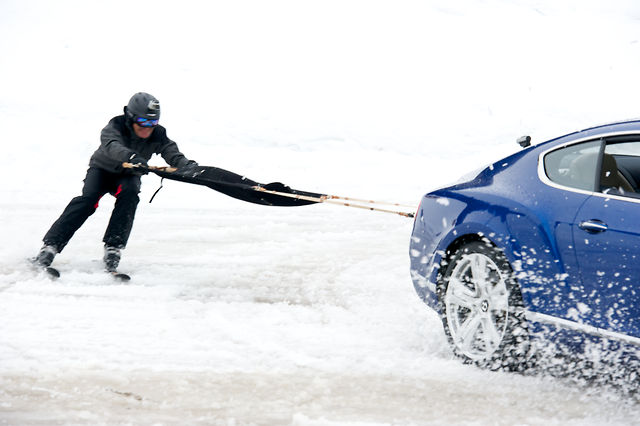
column 583, row 308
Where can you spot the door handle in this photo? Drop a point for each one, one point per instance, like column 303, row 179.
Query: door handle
column 593, row 226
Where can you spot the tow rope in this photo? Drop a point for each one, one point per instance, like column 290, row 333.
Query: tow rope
column 272, row 194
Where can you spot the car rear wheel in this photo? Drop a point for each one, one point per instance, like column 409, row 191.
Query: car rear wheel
column 482, row 309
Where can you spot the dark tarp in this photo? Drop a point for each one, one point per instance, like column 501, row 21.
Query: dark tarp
column 237, row 186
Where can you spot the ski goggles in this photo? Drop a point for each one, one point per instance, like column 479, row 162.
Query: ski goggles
column 145, row 122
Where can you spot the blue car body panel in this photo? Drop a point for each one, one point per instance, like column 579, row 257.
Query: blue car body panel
column 583, row 284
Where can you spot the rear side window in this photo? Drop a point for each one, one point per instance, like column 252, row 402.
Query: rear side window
column 621, row 167
column 574, row 166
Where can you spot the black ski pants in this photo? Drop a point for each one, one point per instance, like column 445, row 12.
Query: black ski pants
column 125, row 187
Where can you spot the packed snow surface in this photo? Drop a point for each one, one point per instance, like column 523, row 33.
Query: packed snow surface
column 243, row 314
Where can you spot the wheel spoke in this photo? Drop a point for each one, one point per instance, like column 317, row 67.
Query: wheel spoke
column 462, row 300
column 459, row 294
column 479, row 270
column 467, row 332
column 490, row 334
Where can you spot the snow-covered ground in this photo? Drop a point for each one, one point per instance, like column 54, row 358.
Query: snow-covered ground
column 242, row 314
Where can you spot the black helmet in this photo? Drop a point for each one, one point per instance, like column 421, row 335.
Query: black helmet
column 143, row 105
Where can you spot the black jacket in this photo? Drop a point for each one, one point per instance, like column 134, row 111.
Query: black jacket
column 118, row 142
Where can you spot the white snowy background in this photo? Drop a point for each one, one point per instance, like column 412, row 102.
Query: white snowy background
column 242, row 314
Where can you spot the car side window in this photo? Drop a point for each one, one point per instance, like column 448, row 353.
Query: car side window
column 621, row 168
column 574, row 166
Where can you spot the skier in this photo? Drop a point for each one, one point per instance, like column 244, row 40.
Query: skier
column 132, row 137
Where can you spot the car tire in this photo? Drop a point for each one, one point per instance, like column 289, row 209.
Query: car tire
column 482, row 309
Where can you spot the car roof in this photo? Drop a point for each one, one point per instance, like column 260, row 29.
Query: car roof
column 616, row 126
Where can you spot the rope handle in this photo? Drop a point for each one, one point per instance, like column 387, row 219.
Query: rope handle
column 139, row 166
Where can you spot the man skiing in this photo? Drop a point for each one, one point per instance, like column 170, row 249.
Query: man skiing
column 129, row 138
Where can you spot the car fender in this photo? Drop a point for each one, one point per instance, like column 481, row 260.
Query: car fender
column 517, row 230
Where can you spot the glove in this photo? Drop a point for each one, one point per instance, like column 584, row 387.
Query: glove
column 277, row 186
column 139, row 164
column 192, row 168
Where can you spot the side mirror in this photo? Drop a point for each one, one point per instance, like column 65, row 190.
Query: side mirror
column 524, row 141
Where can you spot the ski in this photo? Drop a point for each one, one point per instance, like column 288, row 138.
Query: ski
column 53, row 273
column 50, row 271
column 119, row 276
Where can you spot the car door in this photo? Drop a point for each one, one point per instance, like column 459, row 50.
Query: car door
column 571, row 170
column 607, row 243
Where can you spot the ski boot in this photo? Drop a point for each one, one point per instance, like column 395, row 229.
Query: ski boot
column 111, row 261
column 44, row 258
column 111, row 258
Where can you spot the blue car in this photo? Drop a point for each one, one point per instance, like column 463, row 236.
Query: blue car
column 539, row 253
